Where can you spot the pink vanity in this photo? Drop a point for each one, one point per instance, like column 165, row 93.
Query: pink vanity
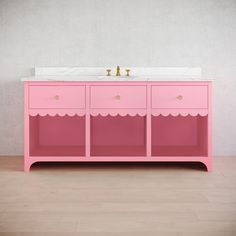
column 84, row 119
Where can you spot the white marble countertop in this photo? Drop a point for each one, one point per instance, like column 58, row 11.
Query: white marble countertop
column 87, row 78
column 95, row 74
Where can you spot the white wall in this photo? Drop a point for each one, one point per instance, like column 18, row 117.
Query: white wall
column 117, row 32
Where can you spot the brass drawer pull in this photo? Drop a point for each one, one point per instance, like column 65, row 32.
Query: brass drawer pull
column 179, row 97
column 117, row 97
column 56, row 97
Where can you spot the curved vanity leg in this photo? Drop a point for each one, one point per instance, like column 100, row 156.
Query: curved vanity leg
column 208, row 165
column 27, row 165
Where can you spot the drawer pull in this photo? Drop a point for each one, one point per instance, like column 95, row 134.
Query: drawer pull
column 179, row 97
column 56, row 97
column 117, row 97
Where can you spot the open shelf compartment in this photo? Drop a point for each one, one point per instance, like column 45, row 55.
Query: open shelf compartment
column 57, row 135
column 118, row 135
column 179, row 135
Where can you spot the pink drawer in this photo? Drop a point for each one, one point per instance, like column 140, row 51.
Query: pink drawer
column 56, row 96
column 118, row 96
column 179, row 96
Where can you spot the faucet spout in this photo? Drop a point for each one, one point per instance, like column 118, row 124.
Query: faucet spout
column 117, row 71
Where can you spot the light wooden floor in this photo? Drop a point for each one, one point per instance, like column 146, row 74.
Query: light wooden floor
column 118, row 199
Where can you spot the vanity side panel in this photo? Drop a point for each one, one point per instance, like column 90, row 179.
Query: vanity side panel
column 27, row 162
column 209, row 123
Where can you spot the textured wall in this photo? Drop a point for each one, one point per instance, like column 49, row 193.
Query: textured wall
column 111, row 32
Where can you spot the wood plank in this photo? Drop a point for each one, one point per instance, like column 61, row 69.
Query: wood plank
column 117, row 199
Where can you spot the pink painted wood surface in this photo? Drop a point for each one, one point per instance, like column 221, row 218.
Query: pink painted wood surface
column 56, row 97
column 87, row 125
column 122, row 136
column 57, row 136
column 179, row 136
column 149, row 122
column 118, row 97
column 27, row 162
column 179, row 96
column 30, row 161
column 209, row 129
column 179, row 111
column 128, row 129
column 58, row 111
column 118, row 111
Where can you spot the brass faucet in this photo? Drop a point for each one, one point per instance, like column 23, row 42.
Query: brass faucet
column 117, row 71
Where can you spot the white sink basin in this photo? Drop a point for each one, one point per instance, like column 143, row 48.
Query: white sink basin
column 118, row 78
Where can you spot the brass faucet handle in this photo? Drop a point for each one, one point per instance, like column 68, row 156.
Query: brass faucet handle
column 108, row 72
column 127, row 72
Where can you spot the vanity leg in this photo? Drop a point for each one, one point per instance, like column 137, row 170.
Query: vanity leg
column 27, row 166
column 208, row 165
